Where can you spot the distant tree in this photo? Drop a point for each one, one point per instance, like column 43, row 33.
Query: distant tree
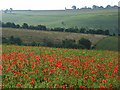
column 6, row 11
column 17, row 26
column 101, row 7
column 108, row 6
column 65, row 8
column 106, row 32
column 95, row 7
column 13, row 25
column 115, row 6
column 10, row 10
column 8, row 24
column 71, row 30
column 58, row 29
column 25, row 26
column 32, row 27
column 74, row 7
column 82, row 30
column 41, row 27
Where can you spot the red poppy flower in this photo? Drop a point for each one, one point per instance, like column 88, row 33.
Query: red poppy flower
column 32, row 82
column 18, row 85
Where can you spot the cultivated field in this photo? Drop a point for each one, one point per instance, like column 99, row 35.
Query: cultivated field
column 104, row 19
column 29, row 36
column 41, row 67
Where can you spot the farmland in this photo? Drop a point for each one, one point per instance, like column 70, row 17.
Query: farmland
column 28, row 36
column 103, row 19
column 45, row 67
column 102, row 42
column 42, row 67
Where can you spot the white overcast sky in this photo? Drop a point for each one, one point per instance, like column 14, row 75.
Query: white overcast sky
column 52, row 4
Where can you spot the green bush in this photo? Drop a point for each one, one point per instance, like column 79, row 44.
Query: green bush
column 85, row 42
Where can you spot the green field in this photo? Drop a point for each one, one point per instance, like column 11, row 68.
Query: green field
column 110, row 43
column 104, row 19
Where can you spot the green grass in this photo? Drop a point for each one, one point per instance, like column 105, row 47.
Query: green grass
column 104, row 19
column 109, row 43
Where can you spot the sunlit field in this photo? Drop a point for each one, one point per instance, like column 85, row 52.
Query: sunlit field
column 42, row 67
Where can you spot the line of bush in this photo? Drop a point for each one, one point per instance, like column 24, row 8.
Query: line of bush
column 59, row 29
column 67, row 43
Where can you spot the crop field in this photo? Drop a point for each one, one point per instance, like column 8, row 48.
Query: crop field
column 29, row 36
column 102, row 42
column 41, row 67
column 103, row 19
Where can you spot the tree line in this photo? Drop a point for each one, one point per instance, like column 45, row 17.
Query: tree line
column 94, row 7
column 67, row 43
column 59, row 29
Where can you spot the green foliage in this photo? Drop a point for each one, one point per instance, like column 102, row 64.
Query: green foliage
column 69, row 43
column 25, row 26
column 12, row 40
column 85, row 42
column 59, row 29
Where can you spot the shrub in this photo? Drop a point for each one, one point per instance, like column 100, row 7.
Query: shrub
column 69, row 43
column 85, row 42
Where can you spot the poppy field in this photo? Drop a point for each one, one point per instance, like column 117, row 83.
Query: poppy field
column 43, row 67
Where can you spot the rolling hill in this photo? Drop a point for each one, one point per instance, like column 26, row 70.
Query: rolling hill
column 29, row 36
column 103, row 19
column 101, row 42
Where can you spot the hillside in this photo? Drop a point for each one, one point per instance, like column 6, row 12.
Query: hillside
column 109, row 43
column 104, row 19
column 29, row 36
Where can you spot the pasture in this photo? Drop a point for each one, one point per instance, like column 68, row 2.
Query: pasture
column 103, row 19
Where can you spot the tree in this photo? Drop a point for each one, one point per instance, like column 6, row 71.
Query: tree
column 106, row 32
column 69, row 43
column 74, row 7
column 25, row 26
column 17, row 41
column 82, row 30
column 65, row 8
column 85, row 42
column 101, row 7
column 95, row 7
column 6, row 11
column 108, row 7
column 10, row 10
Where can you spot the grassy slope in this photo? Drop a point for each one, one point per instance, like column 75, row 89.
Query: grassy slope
column 110, row 43
column 39, row 36
column 81, row 18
